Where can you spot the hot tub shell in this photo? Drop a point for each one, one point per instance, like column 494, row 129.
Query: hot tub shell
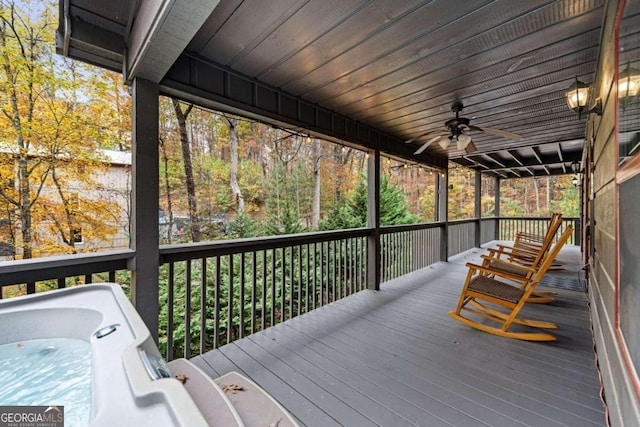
column 124, row 390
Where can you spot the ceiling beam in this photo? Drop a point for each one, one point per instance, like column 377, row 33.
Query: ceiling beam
column 536, row 154
column 214, row 86
column 476, row 162
column 161, row 32
column 560, row 152
column 492, row 157
column 515, row 157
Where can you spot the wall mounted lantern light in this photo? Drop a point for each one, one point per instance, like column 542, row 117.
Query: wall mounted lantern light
column 628, row 82
column 578, row 95
column 575, row 168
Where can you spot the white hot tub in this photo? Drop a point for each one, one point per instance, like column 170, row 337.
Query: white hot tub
column 105, row 349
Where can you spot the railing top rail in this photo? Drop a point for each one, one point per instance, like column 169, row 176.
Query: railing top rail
column 186, row 251
column 463, row 221
column 36, row 269
column 537, row 218
column 388, row 229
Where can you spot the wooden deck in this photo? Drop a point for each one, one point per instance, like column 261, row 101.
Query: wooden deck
column 395, row 358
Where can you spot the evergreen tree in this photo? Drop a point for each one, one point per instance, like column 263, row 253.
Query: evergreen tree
column 242, row 226
column 394, row 209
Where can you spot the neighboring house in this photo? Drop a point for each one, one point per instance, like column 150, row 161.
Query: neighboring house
column 112, row 184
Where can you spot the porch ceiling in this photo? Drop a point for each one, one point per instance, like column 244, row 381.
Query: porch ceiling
column 393, row 66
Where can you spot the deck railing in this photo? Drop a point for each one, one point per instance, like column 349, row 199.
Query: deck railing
column 216, row 292
column 222, row 291
column 461, row 235
column 406, row 248
column 510, row 227
column 41, row 274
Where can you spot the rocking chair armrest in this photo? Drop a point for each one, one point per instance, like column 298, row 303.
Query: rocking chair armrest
column 524, row 268
column 510, row 251
column 514, row 248
column 493, row 272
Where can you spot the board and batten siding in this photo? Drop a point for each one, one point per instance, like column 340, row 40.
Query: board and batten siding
column 618, row 378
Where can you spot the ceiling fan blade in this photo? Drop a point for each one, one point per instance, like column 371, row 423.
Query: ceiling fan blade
column 409, row 141
column 470, row 148
column 497, row 132
column 427, row 144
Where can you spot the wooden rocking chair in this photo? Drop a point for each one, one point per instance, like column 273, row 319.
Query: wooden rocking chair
column 482, row 285
column 514, row 260
column 526, row 247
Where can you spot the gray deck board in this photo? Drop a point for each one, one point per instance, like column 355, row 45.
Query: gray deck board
column 395, row 358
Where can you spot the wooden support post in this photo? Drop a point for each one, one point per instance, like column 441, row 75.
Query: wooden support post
column 442, row 211
column 478, row 209
column 373, row 220
column 145, row 203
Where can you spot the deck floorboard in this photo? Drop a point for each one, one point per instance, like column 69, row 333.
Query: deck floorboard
column 395, row 358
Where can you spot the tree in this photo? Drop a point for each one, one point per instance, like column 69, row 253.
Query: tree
column 315, row 215
column 232, row 124
column 181, row 116
column 47, row 127
column 394, row 209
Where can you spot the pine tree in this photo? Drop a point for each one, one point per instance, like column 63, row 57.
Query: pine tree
column 394, row 208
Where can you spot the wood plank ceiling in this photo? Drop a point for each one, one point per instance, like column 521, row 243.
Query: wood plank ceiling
column 398, row 66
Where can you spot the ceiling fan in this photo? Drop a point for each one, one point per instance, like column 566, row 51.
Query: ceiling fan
column 456, row 131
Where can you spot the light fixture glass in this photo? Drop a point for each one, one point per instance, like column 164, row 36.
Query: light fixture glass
column 575, row 167
column 577, row 96
column 463, row 141
column 575, row 181
column 628, row 82
column 444, row 143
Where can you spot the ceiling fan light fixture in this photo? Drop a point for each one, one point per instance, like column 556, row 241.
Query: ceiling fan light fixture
column 444, row 143
column 462, row 141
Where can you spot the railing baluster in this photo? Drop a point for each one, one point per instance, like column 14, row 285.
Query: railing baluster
column 315, row 274
column 322, row 275
column 230, row 298
column 307, row 279
column 263, row 315
column 241, row 308
column 254, row 283
column 283, row 286
column 273, row 298
column 203, row 306
column 216, row 304
column 187, row 311
column 170, row 286
column 333, row 274
column 299, row 301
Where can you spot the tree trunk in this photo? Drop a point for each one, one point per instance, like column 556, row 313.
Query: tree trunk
column 232, row 123
column 167, row 187
column 548, row 196
column 188, row 168
column 537, row 190
column 25, row 208
column 315, row 214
